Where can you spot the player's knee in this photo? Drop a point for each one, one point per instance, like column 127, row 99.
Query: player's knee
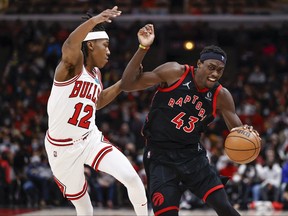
column 165, row 204
column 132, row 179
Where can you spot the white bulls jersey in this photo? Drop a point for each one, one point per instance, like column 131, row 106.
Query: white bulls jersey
column 72, row 105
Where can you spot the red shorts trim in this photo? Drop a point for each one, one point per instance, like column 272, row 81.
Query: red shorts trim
column 211, row 191
column 100, row 156
column 77, row 195
column 170, row 208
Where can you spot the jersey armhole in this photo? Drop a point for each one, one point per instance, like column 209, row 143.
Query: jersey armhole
column 215, row 99
column 177, row 83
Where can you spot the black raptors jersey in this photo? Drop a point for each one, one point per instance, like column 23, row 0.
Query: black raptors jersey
column 180, row 113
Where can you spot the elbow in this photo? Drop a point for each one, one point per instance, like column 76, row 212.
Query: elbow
column 124, row 86
column 99, row 105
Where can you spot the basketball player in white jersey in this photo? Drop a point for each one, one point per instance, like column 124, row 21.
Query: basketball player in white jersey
column 73, row 138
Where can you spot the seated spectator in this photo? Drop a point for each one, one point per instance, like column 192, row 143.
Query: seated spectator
column 102, row 188
column 105, row 189
column 250, row 183
column 257, row 76
column 40, row 183
column 5, row 180
column 271, row 174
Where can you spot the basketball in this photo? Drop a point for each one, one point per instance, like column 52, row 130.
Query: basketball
column 242, row 146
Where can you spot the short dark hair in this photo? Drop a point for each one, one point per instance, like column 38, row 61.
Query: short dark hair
column 98, row 27
column 214, row 49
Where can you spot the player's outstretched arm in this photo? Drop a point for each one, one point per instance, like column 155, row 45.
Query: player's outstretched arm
column 72, row 57
column 74, row 41
column 132, row 78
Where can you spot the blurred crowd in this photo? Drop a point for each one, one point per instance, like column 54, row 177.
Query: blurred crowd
column 195, row 7
column 256, row 75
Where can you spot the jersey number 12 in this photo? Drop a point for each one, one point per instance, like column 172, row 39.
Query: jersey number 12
column 84, row 122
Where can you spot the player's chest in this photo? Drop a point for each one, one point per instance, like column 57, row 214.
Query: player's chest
column 86, row 87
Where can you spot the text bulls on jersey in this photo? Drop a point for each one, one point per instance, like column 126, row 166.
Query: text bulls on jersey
column 84, row 89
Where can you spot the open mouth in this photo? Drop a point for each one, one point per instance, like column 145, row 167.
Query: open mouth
column 212, row 79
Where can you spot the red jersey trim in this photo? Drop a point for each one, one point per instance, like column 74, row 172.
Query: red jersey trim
column 175, row 85
column 211, row 191
column 100, row 156
column 215, row 99
column 92, row 74
column 68, row 82
column 169, row 208
column 78, row 195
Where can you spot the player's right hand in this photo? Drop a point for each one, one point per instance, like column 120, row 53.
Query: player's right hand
column 146, row 35
column 246, row 127
column 107, row 15
column 243, row 127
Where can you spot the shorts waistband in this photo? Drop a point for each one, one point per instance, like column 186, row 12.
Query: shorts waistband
column 67, row 141
column 161, row 146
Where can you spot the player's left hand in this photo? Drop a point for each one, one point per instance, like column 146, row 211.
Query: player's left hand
column 146, row 35
column 107, row 15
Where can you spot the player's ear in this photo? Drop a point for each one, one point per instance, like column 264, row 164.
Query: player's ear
column 90, row 45
column 199, row 63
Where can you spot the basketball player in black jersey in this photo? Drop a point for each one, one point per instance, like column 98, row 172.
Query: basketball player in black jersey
column 184, row 104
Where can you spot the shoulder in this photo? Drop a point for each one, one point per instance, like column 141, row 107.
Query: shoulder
column 224, row 92
column 175, row 66
column 170, row 71
column 172, row 68
column 224, row 98
column 65, row 70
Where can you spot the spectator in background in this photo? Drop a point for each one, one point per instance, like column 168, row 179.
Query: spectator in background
column 257, row 76
column 5, row 178
column 250, row 183
column 102, row 187
column 40, row 183
column 284, row 182
column 124, row 136
column 271, row 175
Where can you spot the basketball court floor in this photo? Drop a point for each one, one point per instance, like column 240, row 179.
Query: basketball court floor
column 130, row 212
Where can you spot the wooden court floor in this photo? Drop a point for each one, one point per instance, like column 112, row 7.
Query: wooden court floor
column 129, row 212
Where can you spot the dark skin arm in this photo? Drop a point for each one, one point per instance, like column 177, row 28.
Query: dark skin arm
column 72, row 58
column 108, row 95
column 133, row 79
column 225, row 104
column 166, row 73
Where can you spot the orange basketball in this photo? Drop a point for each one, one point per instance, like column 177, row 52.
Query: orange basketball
column 242, row 146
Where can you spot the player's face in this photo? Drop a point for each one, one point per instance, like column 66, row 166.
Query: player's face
column 209, row 72
column 101, row 52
